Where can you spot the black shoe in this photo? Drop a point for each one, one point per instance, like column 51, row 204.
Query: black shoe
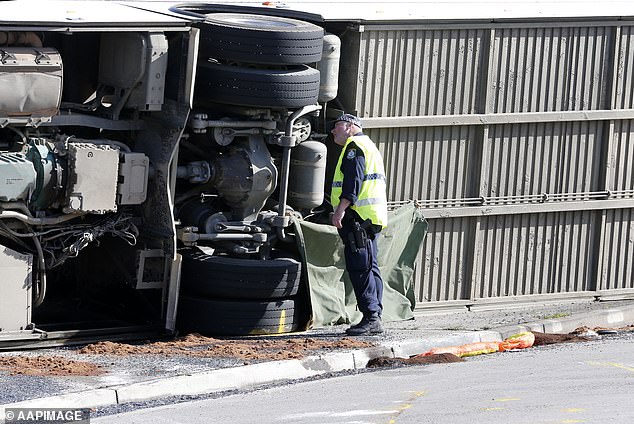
column 368, row 325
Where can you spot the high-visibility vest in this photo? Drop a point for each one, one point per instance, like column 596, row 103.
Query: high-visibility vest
column 371, row 201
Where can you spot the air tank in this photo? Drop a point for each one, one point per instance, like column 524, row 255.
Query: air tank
column 307, row 175
column 329, row 68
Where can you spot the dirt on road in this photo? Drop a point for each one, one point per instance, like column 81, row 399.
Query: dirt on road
column 248, row 349
column 441, row 358
column 207, row 347
column 47, row 366
column 192, row 345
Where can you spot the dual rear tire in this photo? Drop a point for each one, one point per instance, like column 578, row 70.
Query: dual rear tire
column 238, row 317
column 274, row 88
column 258, row 61
column 267, row 40
column 228, row 296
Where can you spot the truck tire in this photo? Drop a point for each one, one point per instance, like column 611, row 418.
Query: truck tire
column 288, row 88
column 212, row 317
column 260, row 39
column 237, row 278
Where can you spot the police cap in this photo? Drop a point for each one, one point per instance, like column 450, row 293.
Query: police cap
column 346, row 117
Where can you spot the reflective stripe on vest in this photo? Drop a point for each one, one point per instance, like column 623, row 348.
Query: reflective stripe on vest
column 371, row 201
column 365, row 178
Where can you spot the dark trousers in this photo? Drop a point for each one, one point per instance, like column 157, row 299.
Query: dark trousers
column 363, row 269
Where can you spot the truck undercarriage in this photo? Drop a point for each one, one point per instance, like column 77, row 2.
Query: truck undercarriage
column 148, row 168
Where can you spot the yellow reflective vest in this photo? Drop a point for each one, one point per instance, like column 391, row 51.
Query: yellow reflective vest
column 371, row 201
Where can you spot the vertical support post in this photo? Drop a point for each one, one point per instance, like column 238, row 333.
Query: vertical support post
column 479, row 177
column 605, row 178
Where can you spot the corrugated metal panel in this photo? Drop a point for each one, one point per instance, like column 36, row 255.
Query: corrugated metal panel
column 617, row 257
column 405, row 73
column 621, row 157
column 535, row 254
column 543, row 158
column 549, row 69
column 426, row 163
column 442, row 272
column 528, row 69
column 624, row 90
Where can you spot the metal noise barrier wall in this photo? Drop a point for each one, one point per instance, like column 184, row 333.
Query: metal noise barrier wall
column 518, row 140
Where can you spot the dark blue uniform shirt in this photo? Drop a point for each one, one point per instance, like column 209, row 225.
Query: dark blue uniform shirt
column 353, row 169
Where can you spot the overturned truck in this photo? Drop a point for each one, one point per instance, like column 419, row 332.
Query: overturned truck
column 152, row 158
column 155, row 157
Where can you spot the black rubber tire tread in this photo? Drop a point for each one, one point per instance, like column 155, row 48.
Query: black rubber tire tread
column 257, row 87
column 292, row 88
column 212, row 317
column 260, row 39
column 238, row 278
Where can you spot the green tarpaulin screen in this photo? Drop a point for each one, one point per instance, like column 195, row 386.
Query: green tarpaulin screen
column 331, row 294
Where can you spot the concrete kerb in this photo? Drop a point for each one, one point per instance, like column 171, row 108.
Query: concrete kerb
column 271, row 372
column 87, row 399
column 215, row 381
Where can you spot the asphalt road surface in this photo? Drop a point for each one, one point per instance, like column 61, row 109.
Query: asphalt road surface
column 589, row 382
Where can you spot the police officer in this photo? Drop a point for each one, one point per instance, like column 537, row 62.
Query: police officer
column 360, row 213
